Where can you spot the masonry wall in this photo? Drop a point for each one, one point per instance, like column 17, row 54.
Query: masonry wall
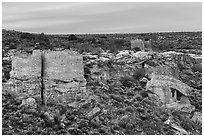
column 59, row 72
column 26, row 74
column 26, row 66
column 138, row 43
column 63, row 73
column 63, row 65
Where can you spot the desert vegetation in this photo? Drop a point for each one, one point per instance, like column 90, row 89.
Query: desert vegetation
column 117, row 106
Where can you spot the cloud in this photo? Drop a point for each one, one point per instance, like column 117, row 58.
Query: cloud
column 98, row 17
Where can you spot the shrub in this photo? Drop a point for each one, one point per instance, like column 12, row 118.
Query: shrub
column 139, row 73
column 104, row 37
column 151, row 63
column 27, row 36
column 144, row 94
column 117, row 44
column 112, row 48
column 44, row 42
column 185, row 121
column 197, row 67
column 121, row 44
column 195, row 98
column 65, row 45
column 97, row 51
column 127, row 81
column 137, row 49
column 80, row 40
column 72, row 37
column 11, row 40
column 6, row 73
column 180, row 66
column 92, row 40
column 13, row 46
column 180, row 41
column 42, row 39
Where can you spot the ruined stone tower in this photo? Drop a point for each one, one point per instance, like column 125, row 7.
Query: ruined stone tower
column 51, row 75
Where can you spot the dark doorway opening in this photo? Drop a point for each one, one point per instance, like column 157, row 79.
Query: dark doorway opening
column 176, row 94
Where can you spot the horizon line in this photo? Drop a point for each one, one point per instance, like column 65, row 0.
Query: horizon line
column 101, row 33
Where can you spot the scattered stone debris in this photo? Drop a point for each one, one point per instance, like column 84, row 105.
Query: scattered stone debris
column 178, row 128
column 94, row 112
column 197, row 117
column 30, row 102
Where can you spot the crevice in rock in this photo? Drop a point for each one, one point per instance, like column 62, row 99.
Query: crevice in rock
column 42, row 78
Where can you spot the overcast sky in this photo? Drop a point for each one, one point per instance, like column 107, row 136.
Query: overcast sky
column 98, row 17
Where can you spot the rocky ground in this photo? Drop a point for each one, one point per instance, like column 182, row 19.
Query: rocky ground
column 118, row 106
column 106, row 109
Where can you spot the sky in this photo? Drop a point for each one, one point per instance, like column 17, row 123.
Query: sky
column 101, row 17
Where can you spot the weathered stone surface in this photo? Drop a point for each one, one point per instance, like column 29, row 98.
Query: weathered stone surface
column 180, row 130
column 142, row 56
column 148, row 45
column 25, row 75
column 170, row 71
column 187, row 108
column 26, row 66
column 126, row 61
column 164, row 73
column 30, row 102
column 93, row 112
column 144, row 80
column 198, row 58
column 166, row 81
column 138, row 43
column 122, row 64
column 197, row 117
column 186, row 59
column 31, row 87
column 54, row 72
column 63, row 65
column 171, row 92
column 64, row 72
column 6, row 59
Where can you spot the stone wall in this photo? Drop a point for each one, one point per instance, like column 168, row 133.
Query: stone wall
column 63, row 65
column 142, row 45
column 54, row 72
column 26, row 66
column 63, row 73
column 188, row 60
column 138, row 43
column 25, row 74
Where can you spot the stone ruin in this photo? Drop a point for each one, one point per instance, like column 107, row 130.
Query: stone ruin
column 169, row 89
column 48, row 75
column 57, row 74
column 165, row 82
column 160, row 68
column 141, row 45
